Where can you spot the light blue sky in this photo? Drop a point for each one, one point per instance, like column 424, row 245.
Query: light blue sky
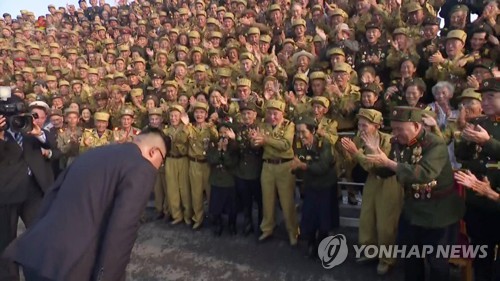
column 39, row 7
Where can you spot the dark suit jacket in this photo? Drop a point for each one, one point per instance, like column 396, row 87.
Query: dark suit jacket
column 14, row 163
column 89, row 219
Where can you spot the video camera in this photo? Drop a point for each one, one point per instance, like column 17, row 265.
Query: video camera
column 14, row 110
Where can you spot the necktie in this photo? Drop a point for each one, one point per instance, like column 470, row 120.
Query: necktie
column 19, row 139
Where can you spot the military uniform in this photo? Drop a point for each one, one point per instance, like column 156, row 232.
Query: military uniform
column 223, row 191
column 177, row 172
column 378, row 221
column 248, row 171
column 68, row 142
column 121, row 135
column 319, row 182
column 199, row 170
column 91, row 138
column 276, row 177
column 432, row 206
column 483, row 161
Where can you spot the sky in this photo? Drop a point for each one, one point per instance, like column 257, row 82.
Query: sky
column 39, row 7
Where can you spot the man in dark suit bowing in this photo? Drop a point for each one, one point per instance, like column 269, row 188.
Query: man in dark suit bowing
column 26, row 173
column 88, row 221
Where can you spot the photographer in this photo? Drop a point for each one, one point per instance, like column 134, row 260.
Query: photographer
column 26, row 174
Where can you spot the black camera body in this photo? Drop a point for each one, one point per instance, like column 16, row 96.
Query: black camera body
column 17, row 119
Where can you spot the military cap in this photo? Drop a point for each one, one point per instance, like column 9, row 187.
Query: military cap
column 459, row 7
column 63, row 83
column 140, row 60
column 181, row 48
column 322, row 101
column 342, row 67
column 371, row 115
column 84, row 66
column 213, row 21
column 40, row 69
column 306, row 119
column 201, row 105
column 276, row 104
column 127, row 111
column 317, row 75
column 224, row 72
column 201, row 13
column 193, row 34
column 215, row 34
column 248, row 106
column 50, row 78
column 213, row 52
column 71, row 52
column 430, row 20
column 108, row 41
column 93, row 71
column 153, row 16
column 155, row 111
column 90, row 42
column 33, row 96
column 54, row 45
column 221, row 9
column 27, row 70
column 76, row 81
column 484, row 63
column 406, row 114
column 244, row 82
column 301, row 76
column 101, row 116
column 413, row 7
column 196, row 50
column 470, row 93
column 243, row 2
column 176, row 107
column 35, row 58
column 457, row 34
column 229, row 15
column 136, row 92
column 335, row 51
column 253, row 30
column 180, row 63
column 171, row 83
column 200, row 68
column 298, row 22
column 274, row 7
column 490, row 85
column 108, row 77
column 174, row 30
column 317, row 8
column 400, row 30
column 123, row 48
column 158, row 74
column 55, row 112
column 183, row 11
column 101, row 95
column 69, row 111
column 338, row 12
column 297, row 55
column 40, row 104
column 371, row 87
column 265, row 38
column 55, row 56
column 146, row 4
column 372, row 25
column 142, row 22
column 119, row 75
column 247, row 56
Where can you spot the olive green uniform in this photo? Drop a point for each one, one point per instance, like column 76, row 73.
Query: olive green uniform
column 68, row 141
column 96, row 139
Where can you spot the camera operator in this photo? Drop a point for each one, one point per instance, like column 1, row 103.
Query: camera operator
column 26, row 175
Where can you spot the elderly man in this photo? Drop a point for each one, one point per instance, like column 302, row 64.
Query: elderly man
column 431, row 207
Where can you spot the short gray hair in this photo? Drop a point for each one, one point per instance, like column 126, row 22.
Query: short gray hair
column 443, row 84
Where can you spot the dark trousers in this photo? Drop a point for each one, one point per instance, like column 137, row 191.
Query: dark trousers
column 249, row 191
column 31, row 275
column 416, row 235
column 317, row 213
column 9, row 217
column 223, row 200
column 482, row 230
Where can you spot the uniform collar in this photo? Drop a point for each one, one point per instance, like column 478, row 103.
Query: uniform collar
column 417, row 139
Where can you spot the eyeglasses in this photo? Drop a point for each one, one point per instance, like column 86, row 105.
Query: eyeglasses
column 163, row 157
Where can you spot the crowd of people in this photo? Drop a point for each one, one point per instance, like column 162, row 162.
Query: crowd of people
column 261, row 97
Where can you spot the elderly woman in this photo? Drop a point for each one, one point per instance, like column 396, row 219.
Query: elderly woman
column 414, row 90
column 443, row 92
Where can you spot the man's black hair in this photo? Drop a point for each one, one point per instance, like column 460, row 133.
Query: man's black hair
column 166, row 139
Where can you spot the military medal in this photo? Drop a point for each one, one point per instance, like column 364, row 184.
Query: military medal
column 416, row 195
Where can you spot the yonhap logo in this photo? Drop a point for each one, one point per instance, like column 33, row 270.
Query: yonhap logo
column 333, row 250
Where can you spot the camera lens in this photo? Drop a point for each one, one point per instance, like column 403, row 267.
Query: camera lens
column 21, row 123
